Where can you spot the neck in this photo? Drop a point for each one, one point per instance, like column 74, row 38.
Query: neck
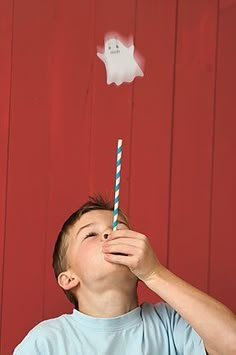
column 109, row 303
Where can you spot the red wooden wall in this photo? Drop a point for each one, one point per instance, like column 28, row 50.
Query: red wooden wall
column 59, row 123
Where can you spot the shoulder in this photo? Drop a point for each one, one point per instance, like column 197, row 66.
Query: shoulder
column 39, row 339
column 51, row 325
column 182, row 334
column 167, row 315
column 162, row 315
column 161, row 310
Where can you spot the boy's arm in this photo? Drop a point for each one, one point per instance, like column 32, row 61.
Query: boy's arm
column 213, row 321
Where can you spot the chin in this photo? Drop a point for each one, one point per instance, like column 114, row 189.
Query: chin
column 120, row 272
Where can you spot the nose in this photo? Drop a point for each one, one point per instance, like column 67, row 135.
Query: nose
column 106, row 232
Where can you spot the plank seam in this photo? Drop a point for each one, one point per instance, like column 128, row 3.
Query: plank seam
column 172, row 136
column 132, row 116
column 7, row 167
column 213, row 150
column 91, row 118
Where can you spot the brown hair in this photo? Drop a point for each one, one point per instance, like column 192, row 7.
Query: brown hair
column 59, row 262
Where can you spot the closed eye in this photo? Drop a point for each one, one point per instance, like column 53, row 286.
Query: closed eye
column 91, row 234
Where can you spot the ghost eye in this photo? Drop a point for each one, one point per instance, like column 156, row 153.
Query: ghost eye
column 109, row 47
column 117, row 46
column 91, row 234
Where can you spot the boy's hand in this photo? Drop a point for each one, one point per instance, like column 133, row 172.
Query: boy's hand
column 139, row 255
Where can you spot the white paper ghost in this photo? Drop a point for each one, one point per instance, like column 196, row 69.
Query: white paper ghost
column 121, row 66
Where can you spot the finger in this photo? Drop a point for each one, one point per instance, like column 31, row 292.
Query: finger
column 120, row 248
column 126, row 233
column 128, row 241
column 117, row 259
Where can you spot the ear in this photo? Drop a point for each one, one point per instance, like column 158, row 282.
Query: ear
column 67, row 280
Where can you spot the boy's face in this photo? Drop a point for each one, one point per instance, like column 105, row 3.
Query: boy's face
column 85, row 256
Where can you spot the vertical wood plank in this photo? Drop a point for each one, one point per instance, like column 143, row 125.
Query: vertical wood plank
column 152, row 125
column 111, row 105
column 223, row 242
column 71, row 78
column 6, row 8
column 192, row 141
column 27, row 173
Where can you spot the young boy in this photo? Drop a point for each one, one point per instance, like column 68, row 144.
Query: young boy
column 98, row 269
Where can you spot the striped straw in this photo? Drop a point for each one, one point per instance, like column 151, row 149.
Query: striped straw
column 117, row 184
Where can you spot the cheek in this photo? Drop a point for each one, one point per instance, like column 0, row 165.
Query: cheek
column 88, row 251
column 88, row 260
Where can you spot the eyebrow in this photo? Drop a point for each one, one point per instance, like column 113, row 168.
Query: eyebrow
column 92, row 224
column 87, row 225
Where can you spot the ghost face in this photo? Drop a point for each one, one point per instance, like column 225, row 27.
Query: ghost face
column 85, row 256
column 112, row 47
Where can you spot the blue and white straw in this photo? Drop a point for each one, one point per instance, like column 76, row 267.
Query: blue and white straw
column 117, row 184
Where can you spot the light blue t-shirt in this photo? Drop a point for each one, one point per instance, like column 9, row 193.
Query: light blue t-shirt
column 148, row 329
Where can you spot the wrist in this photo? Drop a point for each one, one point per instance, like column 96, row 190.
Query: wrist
column 154, row 276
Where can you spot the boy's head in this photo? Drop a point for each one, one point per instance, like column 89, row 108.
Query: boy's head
column 74, row 242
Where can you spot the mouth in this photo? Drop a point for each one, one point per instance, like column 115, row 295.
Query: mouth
column 120, row 254
column 115, row 52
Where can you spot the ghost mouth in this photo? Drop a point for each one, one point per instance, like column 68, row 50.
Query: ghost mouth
column 120, row 254
column 115, row 52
